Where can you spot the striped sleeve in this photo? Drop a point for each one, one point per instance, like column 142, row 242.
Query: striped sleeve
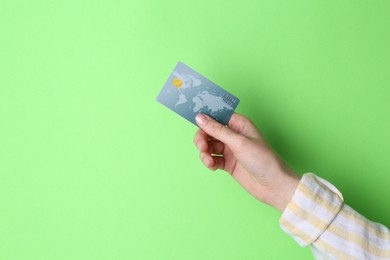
column 317, row 217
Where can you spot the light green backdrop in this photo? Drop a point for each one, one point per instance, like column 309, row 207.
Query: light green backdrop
column 92, row 167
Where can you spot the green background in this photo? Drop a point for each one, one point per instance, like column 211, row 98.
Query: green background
column 92, row 167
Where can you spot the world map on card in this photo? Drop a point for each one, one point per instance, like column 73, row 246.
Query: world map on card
column 188, row 93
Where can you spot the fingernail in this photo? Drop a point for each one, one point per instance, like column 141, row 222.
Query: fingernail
column 201, row 119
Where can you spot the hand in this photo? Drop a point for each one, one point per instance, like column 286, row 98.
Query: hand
column 242, row 151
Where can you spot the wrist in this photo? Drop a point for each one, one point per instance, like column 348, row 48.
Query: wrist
column 284, row 190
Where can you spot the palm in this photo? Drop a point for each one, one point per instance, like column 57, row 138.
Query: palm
column 241, row 175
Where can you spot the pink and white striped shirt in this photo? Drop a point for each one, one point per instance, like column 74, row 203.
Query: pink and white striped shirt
column 317, row 217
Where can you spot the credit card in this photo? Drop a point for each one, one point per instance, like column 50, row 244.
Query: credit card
column 188, row 93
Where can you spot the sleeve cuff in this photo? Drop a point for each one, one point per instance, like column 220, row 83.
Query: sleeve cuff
column 311, row 210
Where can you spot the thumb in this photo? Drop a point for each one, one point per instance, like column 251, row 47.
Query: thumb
column 218, row 131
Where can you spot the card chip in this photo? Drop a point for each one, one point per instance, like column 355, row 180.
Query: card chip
column 177, row 82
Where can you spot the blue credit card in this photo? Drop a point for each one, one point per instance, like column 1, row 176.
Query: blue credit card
column 188, row 93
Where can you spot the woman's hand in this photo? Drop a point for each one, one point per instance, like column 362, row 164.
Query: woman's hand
column 242, row 151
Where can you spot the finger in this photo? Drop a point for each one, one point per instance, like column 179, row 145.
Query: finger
column 215, row 147
column 219, row 163
column 218, row 131
column 212, row 162
column 201, row 139
column 206, row 159
column 243, row 125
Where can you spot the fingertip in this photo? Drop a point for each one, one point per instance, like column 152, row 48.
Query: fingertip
column 207, row 160
column 201, row 119
column 214, row 168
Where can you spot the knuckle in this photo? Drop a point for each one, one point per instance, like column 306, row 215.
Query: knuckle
column 198, row 136
column 195, row 140
column 241, row 142
column 249, row 121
